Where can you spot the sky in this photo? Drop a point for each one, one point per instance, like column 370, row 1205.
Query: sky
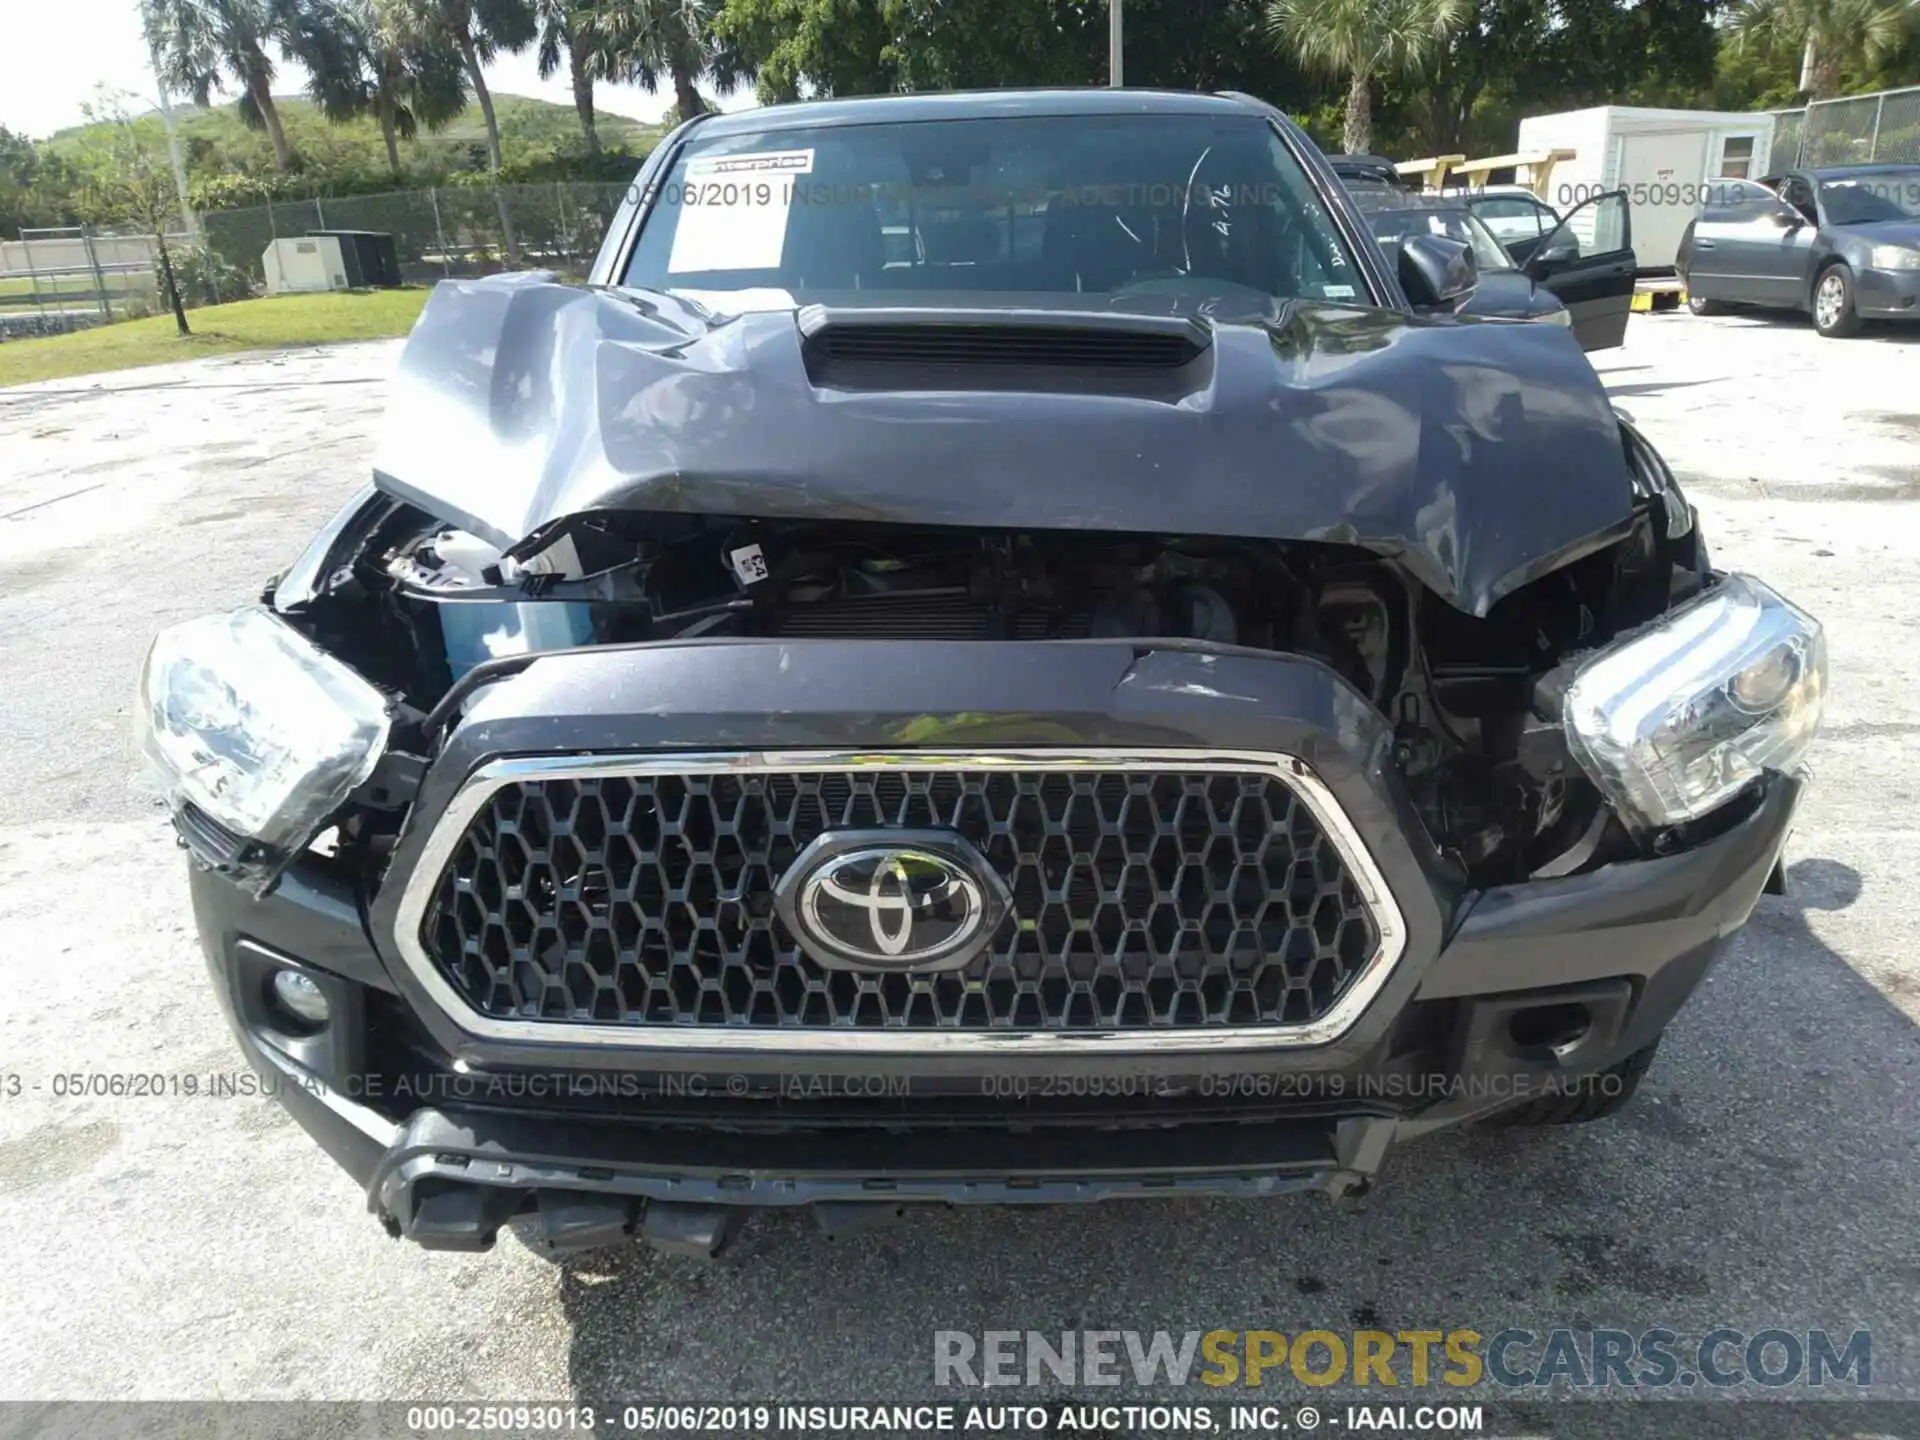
column 45, row 77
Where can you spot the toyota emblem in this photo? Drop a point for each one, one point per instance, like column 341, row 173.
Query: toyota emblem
column 891, row 900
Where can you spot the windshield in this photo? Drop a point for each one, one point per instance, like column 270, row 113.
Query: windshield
column 1395, row 224
column 1194, row 207
column 1870, row 195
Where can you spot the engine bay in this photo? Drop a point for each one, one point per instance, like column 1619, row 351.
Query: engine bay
column 431, row 612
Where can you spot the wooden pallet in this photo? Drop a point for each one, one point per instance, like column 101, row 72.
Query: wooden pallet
column 1650, row 301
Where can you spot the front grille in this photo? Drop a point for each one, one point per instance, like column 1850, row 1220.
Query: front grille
column 1141, row 900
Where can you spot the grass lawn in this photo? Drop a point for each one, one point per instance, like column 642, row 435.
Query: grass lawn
column 217, row 330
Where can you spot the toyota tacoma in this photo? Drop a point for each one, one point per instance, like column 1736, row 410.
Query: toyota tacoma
column 994, row 651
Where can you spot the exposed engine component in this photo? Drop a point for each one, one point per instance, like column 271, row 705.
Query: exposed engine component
column 1471, row 699
column 878, row 581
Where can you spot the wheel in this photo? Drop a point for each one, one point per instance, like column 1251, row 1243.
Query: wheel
column 1591, row 1097
column 1833, row 312
column 1696, row 305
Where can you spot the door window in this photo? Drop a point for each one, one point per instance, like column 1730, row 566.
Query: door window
column 1797, row 193
column 1735, row 202
column 1599, row 227
column 1511, row 218
column 1738, row 200
column 1610, row 226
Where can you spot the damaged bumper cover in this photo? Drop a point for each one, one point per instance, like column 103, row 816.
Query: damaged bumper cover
column 456, row 1125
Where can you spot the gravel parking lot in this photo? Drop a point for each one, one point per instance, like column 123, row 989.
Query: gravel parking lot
column 1768, row 1175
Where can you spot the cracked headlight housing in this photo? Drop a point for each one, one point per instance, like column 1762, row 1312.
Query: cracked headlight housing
column 245, row 719
column 1675, row 719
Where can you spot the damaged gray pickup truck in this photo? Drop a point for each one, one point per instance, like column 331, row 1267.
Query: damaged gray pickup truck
column 994, row 652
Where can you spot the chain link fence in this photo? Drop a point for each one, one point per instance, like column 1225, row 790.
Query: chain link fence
column 62, row 278
column 438, row 232
column 1882, row 128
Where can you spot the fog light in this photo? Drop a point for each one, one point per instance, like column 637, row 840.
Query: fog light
column 302, row 998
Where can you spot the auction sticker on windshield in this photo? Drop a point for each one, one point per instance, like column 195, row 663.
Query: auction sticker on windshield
column 733, row 210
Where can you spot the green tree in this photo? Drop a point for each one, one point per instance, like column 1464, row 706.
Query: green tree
column 833, row 47
column 363, row 60
column 1830, row 34
column 861, row 47
column 1364, row 40
column 1202, row 45
column 645, row 42
column 32, row 187
column 477, row 31
column 125, row 178
column 1512, row 57
column 983, row 44
column 566, row 38
column 201, row 45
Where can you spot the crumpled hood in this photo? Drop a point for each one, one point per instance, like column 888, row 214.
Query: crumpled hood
column 1479, row 455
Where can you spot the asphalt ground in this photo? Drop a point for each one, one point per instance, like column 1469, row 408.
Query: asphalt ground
column 1768, row 1175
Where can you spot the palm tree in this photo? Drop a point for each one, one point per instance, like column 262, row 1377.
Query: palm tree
column 476, row 31
column 1830, row 34
column 200, row 45
column 1363, row 39
column 363, row 61
column 564, row 30
column 642, row 41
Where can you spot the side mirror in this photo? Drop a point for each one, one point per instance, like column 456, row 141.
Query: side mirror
column 1436, row 271
column 1557, row 251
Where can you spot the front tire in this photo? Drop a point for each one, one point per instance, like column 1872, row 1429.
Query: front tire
column 1834, row 314
column 1697, row 305
column 1589, row 1098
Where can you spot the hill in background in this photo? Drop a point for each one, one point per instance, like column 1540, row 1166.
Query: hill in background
column 229, row 164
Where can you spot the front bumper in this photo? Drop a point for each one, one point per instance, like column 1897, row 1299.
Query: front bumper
column 1887, row 294
column 454, row 1132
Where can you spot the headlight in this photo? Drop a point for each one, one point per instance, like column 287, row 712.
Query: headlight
column 1893, row 257
column 244, row 718
column 1562, row 316
column 1672, row 720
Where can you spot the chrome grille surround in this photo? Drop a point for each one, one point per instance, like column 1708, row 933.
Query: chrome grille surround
column 473, row 799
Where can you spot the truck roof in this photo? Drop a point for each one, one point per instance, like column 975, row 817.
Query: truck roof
column 973, row 105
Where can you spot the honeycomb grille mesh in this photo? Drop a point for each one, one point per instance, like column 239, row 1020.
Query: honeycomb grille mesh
column 1142, row 900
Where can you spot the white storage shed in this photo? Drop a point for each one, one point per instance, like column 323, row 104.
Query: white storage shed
column 1661, row 158
column 304, row 264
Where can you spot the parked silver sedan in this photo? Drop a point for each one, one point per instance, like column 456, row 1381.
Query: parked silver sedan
column 1842, row 244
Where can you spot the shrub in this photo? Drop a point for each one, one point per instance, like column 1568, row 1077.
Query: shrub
column 204, row 275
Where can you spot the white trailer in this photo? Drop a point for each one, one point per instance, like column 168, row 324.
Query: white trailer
column 1663, row 159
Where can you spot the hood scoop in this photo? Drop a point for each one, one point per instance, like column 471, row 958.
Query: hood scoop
column 891, row 347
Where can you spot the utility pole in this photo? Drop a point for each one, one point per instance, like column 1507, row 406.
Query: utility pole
column 173, row 149
column 1114, row 44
